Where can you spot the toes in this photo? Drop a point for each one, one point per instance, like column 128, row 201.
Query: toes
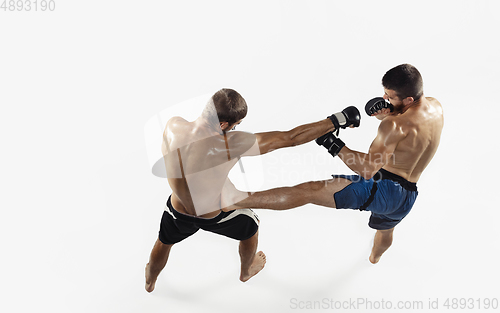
column 261, row 255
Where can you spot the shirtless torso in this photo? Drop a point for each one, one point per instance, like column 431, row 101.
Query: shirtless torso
column 406, row 141
column 421, row 126
column 197, row 162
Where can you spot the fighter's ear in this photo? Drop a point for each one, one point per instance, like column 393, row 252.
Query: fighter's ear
column 223, row 125
column 408, row 100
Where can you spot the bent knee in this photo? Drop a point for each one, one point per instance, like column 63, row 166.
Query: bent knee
column 386, row 236
column 386, row 232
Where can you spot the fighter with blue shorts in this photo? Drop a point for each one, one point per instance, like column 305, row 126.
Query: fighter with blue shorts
column 389, row 197
column 386, row 185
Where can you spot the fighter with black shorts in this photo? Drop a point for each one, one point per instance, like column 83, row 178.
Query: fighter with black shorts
column 237, row 224
column 197, row 157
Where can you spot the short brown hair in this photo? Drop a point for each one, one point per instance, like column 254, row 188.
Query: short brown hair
column 229, row 105
column 405, row 80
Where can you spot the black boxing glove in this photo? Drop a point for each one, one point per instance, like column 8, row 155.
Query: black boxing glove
column 331, row 143
column 377, row 104
column 349, row 116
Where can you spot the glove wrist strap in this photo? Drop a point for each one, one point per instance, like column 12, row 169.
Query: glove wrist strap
column 336, row 146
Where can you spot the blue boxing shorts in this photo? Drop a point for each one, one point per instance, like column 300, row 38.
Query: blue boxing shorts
column 389, row 197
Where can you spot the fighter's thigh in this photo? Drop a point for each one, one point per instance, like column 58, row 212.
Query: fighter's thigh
column 321, row 192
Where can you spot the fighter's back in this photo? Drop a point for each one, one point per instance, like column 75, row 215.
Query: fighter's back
column 197, row 164
column 421, row 124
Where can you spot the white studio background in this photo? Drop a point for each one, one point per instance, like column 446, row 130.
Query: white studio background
column 80, row 209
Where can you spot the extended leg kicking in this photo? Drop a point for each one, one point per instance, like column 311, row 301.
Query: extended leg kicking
column 407, row 139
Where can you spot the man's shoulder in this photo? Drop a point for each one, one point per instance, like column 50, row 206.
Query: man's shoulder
column 415, row 117
column 434, row 102
column 239, row 135
column 241, row 138
column 176, row 120
column 240, row 142
column 391, row 121
column 395, row 126
column 175, row 124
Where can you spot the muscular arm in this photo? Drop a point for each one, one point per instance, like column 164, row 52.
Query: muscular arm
column 247, row 144
column 270, row 141
column 381, row 150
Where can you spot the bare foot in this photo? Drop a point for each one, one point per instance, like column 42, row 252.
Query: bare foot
column 150, row 284
column 257, row 265
column 374, row 260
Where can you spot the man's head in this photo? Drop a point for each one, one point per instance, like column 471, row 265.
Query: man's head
column 403, row 85
column 226, row 108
